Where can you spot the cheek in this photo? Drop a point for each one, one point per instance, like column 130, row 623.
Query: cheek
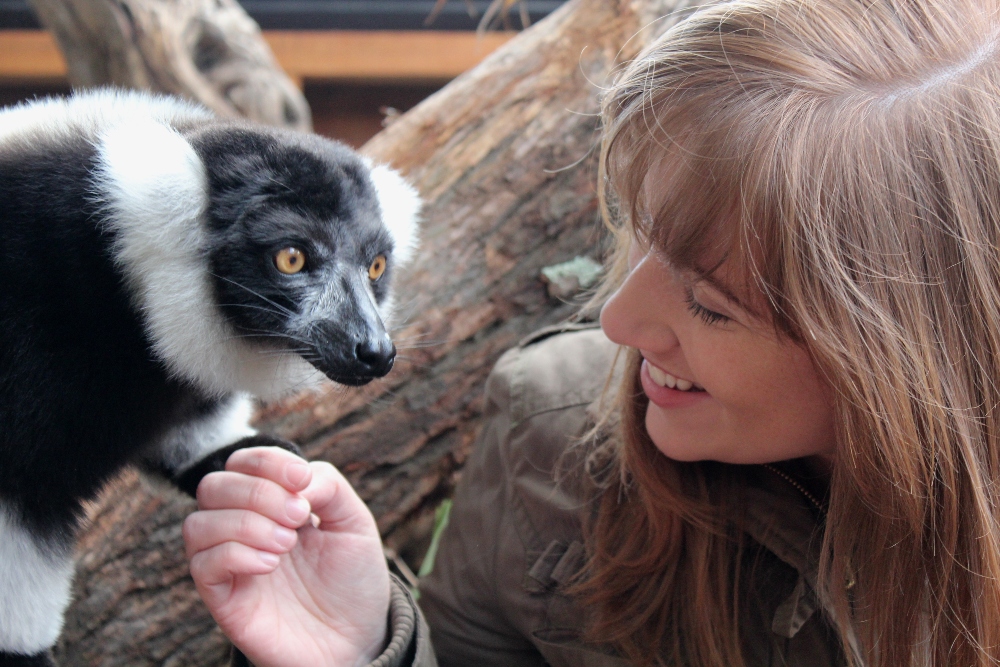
column 771, row 401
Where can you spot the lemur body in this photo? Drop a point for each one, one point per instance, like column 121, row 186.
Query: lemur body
column 158, row 266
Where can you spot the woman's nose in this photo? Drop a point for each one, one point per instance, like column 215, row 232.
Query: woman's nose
column 637, row 314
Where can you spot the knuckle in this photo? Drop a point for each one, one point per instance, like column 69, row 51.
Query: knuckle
column 257, row 494
column 257, row 459
column 246, row 526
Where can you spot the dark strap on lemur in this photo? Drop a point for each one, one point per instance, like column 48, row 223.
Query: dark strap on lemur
column 188, row 480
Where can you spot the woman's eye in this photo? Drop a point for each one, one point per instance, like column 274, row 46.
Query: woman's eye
column 708, row 316
column 290, row 260
column 377, row 268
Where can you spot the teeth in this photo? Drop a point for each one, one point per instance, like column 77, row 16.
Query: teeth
column 659, row 377
column 665, row 379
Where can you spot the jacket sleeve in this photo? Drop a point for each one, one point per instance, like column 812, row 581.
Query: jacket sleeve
column 409, row 644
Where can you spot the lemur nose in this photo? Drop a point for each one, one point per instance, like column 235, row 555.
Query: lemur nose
column 378, row 354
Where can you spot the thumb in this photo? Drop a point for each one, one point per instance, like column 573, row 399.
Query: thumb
column 335, row 502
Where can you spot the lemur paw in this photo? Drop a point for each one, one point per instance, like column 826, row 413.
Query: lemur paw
column 188, row 480
column 17, row 660
column 237, row 659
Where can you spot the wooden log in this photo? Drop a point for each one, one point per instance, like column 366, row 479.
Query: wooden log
column 505, row 158
column 209, row 51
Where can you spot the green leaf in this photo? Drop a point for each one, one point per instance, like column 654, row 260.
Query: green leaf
column 441, row 515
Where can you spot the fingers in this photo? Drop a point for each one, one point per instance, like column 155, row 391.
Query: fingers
column 239, row 491
column 277, row 465
column 207, row 529
column 253, row 503
column 282, row 489
column 214, row 570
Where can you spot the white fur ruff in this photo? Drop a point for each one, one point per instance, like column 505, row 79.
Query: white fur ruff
column 190, row 442
column 400, row 204
column 400, row 207
column 55, row 120
column 35, row 586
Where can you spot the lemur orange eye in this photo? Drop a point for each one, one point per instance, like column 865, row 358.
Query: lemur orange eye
column 290, row 260
column 377, row 268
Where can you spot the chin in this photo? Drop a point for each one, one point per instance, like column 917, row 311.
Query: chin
column 675, row 445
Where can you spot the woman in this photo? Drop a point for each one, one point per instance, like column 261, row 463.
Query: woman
column 806, row 469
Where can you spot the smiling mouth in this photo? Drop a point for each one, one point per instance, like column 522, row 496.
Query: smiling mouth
column 665, row 379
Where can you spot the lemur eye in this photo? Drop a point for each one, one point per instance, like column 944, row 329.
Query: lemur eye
column 290, row 260
column 377, row 268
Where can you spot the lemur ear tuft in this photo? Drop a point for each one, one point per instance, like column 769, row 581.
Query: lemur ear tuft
column 400, row 205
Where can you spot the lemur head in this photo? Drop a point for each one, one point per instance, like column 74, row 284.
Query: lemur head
column 299, row 249
column 249, row 250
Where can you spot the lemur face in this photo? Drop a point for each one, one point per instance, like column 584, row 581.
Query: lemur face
column 299, row 253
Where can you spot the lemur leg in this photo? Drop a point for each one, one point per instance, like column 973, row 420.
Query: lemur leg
column 36, row 576
column 191, row 451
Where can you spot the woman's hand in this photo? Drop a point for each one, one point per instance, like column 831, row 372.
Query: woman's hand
column 284, row 591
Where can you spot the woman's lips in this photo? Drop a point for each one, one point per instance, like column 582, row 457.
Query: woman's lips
column 666, row 396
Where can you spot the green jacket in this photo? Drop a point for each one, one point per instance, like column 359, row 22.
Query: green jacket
column 514, row 537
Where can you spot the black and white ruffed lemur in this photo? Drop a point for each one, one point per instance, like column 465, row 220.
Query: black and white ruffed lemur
column 158, row 266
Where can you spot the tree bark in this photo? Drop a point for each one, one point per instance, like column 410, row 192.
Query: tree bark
column 505, row 158
column 209, row 51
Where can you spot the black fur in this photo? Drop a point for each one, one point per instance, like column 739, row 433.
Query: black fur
column 188, row 480
column 82, row 392
column 37, row 660
column 237, row 659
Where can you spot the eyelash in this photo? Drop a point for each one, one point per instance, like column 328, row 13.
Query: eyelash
column 708, row 316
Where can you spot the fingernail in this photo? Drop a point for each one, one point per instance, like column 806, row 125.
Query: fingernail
column 296, row 473
column 268, row 558
column 284, row 537
column 297, row 509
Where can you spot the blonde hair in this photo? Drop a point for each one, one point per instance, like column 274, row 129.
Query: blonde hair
column 844, row 155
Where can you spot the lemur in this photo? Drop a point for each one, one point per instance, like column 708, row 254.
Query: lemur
column 159, row 266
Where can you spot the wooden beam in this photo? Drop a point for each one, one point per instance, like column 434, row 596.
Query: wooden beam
column 381, row 56
column 305, row 55
column 30, row 55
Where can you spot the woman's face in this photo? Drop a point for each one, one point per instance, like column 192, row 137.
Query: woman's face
column 722, row 386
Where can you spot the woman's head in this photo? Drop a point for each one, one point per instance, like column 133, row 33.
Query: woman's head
column 719, row 382
column 835, row 167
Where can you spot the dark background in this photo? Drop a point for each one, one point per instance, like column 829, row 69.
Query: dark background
column 335, row 14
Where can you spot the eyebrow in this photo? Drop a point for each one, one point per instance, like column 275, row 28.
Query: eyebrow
column 715, row 284
column 703, row 275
